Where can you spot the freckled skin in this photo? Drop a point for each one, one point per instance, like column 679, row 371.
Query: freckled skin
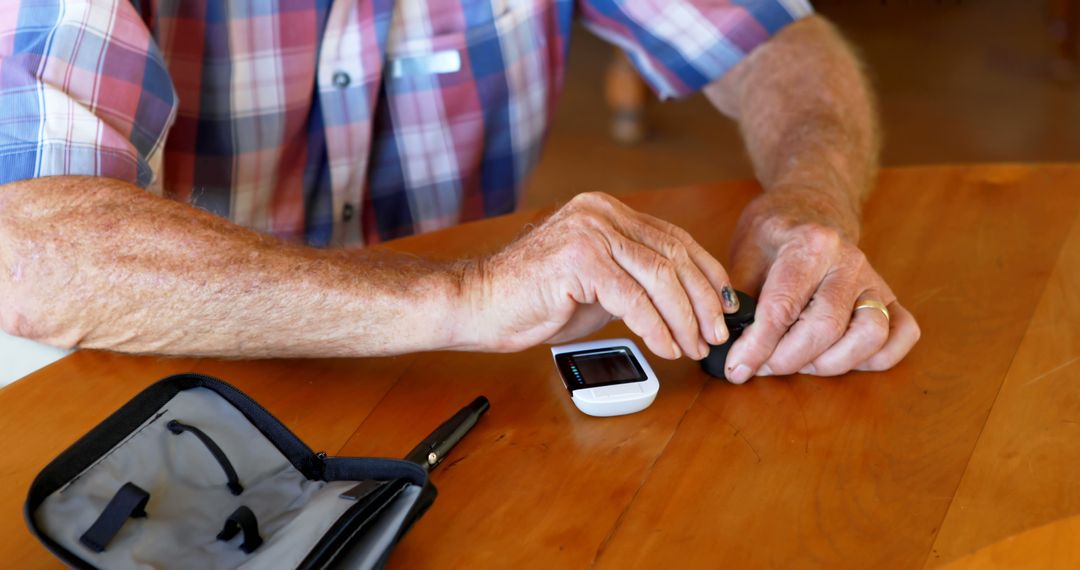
column 99, row 263
column 810, row 128
column 126, row 270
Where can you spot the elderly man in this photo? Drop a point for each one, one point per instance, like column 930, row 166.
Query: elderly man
column 174, row 171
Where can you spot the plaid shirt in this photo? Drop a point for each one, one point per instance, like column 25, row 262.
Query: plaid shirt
column 329, row 121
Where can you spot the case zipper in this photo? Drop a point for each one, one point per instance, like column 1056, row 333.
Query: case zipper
column 318, row 465
column 352, row 521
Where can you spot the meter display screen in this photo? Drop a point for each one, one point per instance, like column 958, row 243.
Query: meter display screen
column 613, row 366
column 592, row 368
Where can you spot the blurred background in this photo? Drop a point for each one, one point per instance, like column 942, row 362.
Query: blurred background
column 957, row 81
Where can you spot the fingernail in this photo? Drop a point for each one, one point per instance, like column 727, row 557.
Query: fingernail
column 808, row 369
column 676, row 351
column 703, row 350
column 740, row 374
column 764, row 370
column 721, row 331
column 731, row 300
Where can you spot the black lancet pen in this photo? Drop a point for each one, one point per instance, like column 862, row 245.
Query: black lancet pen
column 432, row 450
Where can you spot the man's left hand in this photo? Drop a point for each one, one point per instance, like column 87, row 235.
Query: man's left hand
column 811, row 278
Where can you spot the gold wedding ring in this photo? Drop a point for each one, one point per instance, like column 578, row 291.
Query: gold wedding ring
column 871, row 304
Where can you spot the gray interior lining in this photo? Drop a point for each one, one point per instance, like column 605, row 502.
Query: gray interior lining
column 189, row 500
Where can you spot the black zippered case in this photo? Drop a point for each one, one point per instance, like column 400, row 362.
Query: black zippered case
column 192, row 473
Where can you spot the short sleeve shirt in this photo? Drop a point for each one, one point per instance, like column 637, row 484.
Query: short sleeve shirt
column 330, row 122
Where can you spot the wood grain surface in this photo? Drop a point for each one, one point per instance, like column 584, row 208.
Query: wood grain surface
column 1026, row 467
column 1052, row 546
column 968, row 441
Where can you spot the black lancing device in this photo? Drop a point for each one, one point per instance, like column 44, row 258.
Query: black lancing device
column 736, row 322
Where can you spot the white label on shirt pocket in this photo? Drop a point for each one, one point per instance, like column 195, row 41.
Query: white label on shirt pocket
column 447, row 61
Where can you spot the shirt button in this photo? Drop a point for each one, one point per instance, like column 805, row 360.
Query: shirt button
column 347, row 212
column 340, row 79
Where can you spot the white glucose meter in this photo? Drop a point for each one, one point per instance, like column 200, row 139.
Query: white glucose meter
column 606, row 377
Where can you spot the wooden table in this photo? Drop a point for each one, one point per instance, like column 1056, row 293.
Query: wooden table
column 972, row 439
column 1049, row 547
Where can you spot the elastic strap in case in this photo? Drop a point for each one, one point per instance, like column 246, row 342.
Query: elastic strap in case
column 230, row 472
column 242, row 519
column 129, row 502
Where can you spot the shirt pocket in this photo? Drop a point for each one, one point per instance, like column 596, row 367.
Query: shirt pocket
column 465, row 101
column 484, row 42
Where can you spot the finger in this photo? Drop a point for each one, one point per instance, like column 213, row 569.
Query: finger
column 708, row 265
column 904, row 332
column 676, row 244
column 822, row 323
column 660, row 279
column 866, row 334
column 705, row 298
column 623, row 297
column 789, row 285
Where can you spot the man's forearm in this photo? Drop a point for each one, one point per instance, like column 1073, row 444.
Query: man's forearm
column 807, row 116
column 99, row 263
column 808, row 120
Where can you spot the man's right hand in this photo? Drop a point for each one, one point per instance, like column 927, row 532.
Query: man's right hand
column 593, row 260
column 202, row 286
